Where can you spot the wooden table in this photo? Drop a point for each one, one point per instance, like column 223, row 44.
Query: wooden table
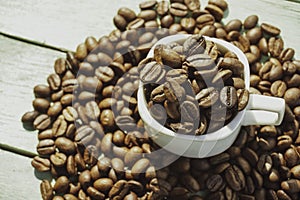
column 65, row 24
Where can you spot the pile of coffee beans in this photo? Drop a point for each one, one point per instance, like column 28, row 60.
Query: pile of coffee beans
column 193, row 84
column 91, row 138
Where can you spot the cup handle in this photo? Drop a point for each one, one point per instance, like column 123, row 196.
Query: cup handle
column 264, row 110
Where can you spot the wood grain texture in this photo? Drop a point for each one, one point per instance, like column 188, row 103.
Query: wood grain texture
column 22, row 67
column 17, row 177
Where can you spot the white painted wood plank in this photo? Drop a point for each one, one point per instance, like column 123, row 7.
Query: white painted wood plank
column 68, row 23
column 17, row 177
column 22, row 66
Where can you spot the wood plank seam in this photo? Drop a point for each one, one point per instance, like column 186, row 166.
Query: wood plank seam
column 33, row 42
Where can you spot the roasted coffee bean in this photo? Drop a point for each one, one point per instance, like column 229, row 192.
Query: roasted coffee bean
column 41, row 164
column 84, row 135
column 59, row 126
column 61, row 185
column 278, row 88
column 242, row 98
column 158, row 112
column 188, row 24
column 140, row 166
column 81, row 52
column 135, row 24
column 228, row 96
column 173, row 91
column 41, row 91
column 58, row 159
column 254, row 35
column 104, row 74
column 127, row 13
column 103, row 184
column 275, row 46
column 46, row 134
column 264, row 164
column 107, row 118
column 207, row 97
column 147, row 15
column 46, row 190
column 233, row 25
column 292, row 96
column 162, row 7
column 147, row 4
column 190, row 182
column 71, row 165
column 189, row 112
column 41, row 105
column 291, row 186
column 55, row 109
column 216, row 11
column 194, row 45
column 54, row 82
column 214, row 183
column 235, row 178
column 178, row 10
column 119, row 190
column 65, row 145
column 167, row 57
column 85, row 179
column 152, row 73
column 250, row 22
column 220, row 3
column 271, row 70
column 30, row 116
column 46, row 147
column 92, row 110
column 270, row 29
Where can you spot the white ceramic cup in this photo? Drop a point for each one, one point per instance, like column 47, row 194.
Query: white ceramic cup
column 261, row 110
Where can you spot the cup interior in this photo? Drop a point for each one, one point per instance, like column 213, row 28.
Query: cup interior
column 212, row 136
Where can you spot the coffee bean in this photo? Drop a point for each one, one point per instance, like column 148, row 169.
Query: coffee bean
column 162, row 8
column 292, row 96
column 207, row 97
column 189, row 112
column 250, row 22
column 220, row 3
column 103, row 184
column 194, row 45
column 233, row 25
column 41, row 91
column 147, row 4
column 147, row 15
column 84, row 135
column 275, row 46
column 167, row 57
column 30, row 116
column 54, row 82
column 65, row 145
column 140, row 166
column 264, row 164
column 152, row 73
column 173, row 91
column 41, row 105
column 254, row 35
column 188, row 24
column 278, row 88
column 235, row 178
column 58, row 159
column 46, row 134
column 46, row 190
column 270, row 29
column 214, row 183
column 135, row 24
column 228, row 96
column 243, row 98
column 215, row 11
column 59, row 126
column 46, row 147
column 41, row 164
column 190, row 182
column 291, row 186
column 55, row 109
column 178, row 9
column 42, row 122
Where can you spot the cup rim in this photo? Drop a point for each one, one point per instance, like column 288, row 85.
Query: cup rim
column 219, row 134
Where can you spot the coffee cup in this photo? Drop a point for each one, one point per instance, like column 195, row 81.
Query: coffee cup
column 260, row 110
